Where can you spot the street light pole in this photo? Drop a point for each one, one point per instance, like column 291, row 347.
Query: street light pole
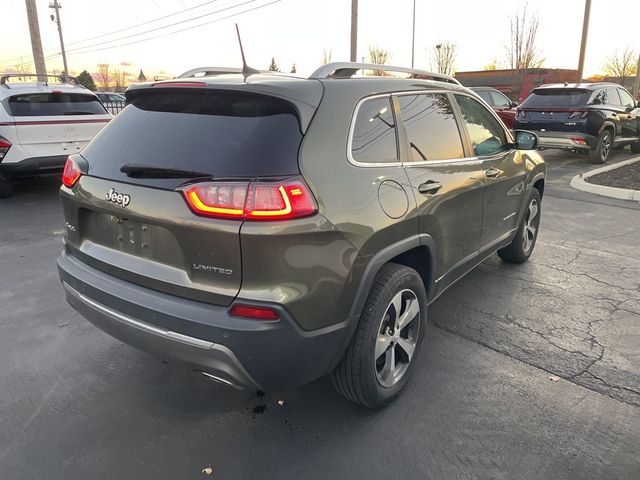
column 583, row 43
column 56, row 7
column 354, row 30
column 636, row 84
column 413, row 36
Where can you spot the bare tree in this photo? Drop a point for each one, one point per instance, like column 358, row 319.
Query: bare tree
column 443, row 58
column 621, row 66
column 522, row 53
column 103, row 75
column 326, row 56
column 120, row 79
column 22, row 68
column 379, row 56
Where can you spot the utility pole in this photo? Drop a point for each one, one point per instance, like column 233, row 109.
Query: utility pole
column 583, row 43
column 636, row 84
column 354, row 30
column 57, row 8
column 413, row 36
column 36, row 43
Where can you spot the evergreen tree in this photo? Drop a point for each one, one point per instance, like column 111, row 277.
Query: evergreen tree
column 274, row 66
column 85, row 79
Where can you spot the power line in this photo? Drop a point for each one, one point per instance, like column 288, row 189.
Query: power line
column 7, row 61
column 102, row 44
column 177, row 31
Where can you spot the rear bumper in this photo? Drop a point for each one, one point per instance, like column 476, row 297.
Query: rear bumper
column 566, row 140
column 237, row 352
column 34, row 166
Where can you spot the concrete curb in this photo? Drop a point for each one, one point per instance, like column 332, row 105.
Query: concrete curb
column 578, row 182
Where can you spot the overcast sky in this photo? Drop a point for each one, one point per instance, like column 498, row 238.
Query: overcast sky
column 296, row 31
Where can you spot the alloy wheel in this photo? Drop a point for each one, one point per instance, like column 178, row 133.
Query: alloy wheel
column 605, row 148
column 397, row 338
column 530, row 226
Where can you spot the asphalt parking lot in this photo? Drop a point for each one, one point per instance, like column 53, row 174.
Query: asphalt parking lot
column 529, row 371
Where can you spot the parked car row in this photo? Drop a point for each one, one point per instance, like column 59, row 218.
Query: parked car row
column 592, row 118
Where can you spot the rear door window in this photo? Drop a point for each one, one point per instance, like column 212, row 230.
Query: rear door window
column 220, row 133
column 486, row 135
column 484, row 94
column 627, row 100
column 374, row 137
column 431, row 127
column 54, row 104
column 499, row 100
column 612, row 97
column 557, row 98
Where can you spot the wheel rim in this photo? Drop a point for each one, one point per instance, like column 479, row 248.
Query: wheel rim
column 605, row 147
column 530, row 225
column 397, row 338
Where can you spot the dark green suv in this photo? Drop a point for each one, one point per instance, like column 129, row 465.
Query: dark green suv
column 270, row 230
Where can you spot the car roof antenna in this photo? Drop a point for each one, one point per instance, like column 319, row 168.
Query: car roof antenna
column 246, row 69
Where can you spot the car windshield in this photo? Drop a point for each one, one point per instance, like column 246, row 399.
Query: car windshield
column 556, row 97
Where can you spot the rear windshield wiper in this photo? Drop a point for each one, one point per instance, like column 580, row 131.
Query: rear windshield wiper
column 149, row 171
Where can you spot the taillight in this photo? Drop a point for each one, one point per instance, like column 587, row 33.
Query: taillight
column 578, row 114
column 253, row 201
column 71, row 173
column 5, row 145
column 255, row 312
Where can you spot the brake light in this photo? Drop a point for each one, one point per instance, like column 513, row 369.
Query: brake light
column 179, row 84
column 71, row 173
column 257, row 313
column 577, row 114
column 5, row 145
column 253, row 201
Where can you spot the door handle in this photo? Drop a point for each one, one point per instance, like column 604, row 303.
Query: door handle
column 492, row 172
column 429, row 188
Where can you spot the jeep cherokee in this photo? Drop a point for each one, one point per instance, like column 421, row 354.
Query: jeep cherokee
column 269, row 230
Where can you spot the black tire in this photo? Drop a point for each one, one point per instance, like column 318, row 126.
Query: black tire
column 357, row 376
column 635, row 147
column 520, row 249
column 6, row 187
column 600, row 154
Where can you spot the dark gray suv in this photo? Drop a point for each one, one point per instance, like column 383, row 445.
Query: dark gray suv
column 270, row 230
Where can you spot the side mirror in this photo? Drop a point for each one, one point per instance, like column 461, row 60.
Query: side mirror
column 525, row 140
column 514, row 104
column 629, row 109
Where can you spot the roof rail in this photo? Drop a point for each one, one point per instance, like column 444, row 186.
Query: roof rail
column 348, row 69
column 62, row 78
column 206, row 71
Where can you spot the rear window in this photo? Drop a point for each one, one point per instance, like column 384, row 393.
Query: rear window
column 54, row 104
column 221, row 133
column 556, row 97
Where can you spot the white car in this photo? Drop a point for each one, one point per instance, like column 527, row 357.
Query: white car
column 42, row 123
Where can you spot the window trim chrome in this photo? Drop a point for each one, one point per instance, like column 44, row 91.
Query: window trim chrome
column 352, row 127
column 420, row 163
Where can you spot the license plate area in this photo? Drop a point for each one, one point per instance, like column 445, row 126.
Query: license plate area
column 131, row 236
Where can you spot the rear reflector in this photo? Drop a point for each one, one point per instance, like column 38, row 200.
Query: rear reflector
column 257, row 313
column 252, row 201
column 5, row 145
column 579, row 140
column 71, row 173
